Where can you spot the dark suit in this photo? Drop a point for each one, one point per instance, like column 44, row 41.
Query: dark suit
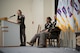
column 22, row 29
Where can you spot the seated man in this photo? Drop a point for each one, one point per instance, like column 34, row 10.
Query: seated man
column 42, row 35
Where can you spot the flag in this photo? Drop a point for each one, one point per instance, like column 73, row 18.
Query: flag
column 65, row 16
column 60, row 16
column 65, row 12
column 70, row 15
column 76, row 8
column 62, row 13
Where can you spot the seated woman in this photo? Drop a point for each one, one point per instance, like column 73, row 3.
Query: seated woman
column 42, row 35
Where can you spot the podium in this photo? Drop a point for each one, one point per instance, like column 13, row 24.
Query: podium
column 10, row 32
column 78, row 41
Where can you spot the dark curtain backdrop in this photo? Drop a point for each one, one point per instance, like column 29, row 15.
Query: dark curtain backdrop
column 56, row 5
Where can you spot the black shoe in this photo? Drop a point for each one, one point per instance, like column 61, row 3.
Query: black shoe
column 42, row 46
column 22, row 44
column 30, row 43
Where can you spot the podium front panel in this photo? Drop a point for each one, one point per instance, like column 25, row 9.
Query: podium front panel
column 11, row 34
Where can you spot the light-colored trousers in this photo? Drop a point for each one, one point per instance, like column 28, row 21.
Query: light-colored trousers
column 42, row 38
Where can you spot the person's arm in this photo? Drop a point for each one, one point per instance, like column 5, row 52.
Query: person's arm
column 45, row 27
column 18, row 19
column 55, row 21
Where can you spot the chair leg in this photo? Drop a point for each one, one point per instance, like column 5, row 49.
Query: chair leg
column 38, row 42
column 58, row 43
column 51, row 42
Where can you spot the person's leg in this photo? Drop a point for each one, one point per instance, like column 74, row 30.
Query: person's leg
column 24, row 37
column 33, row 40
column 42, row 41
column 21, row 38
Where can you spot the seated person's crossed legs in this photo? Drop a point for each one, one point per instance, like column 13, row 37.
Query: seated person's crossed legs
column 42, row 39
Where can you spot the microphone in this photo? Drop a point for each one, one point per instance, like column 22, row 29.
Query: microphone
column 12, row 16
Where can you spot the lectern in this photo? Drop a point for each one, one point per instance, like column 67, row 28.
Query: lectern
column 10, row 32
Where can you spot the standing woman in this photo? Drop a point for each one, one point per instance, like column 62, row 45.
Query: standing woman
column 21, row 20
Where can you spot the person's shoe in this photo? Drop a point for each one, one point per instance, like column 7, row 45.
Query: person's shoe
column 41, row 46
column 30, row 43
column 21, row 45
column 24, row 45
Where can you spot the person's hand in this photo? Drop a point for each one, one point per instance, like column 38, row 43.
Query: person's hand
column 46, row 30
column 18, row 21
column 55, row 17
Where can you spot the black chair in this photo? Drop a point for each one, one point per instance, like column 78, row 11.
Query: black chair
column 54, row 35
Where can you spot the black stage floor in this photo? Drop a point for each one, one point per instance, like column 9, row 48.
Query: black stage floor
column 29, row 49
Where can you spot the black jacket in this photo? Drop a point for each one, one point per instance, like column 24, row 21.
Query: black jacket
column 22, row 19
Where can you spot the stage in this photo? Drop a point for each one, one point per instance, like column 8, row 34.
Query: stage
column 29, row 49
